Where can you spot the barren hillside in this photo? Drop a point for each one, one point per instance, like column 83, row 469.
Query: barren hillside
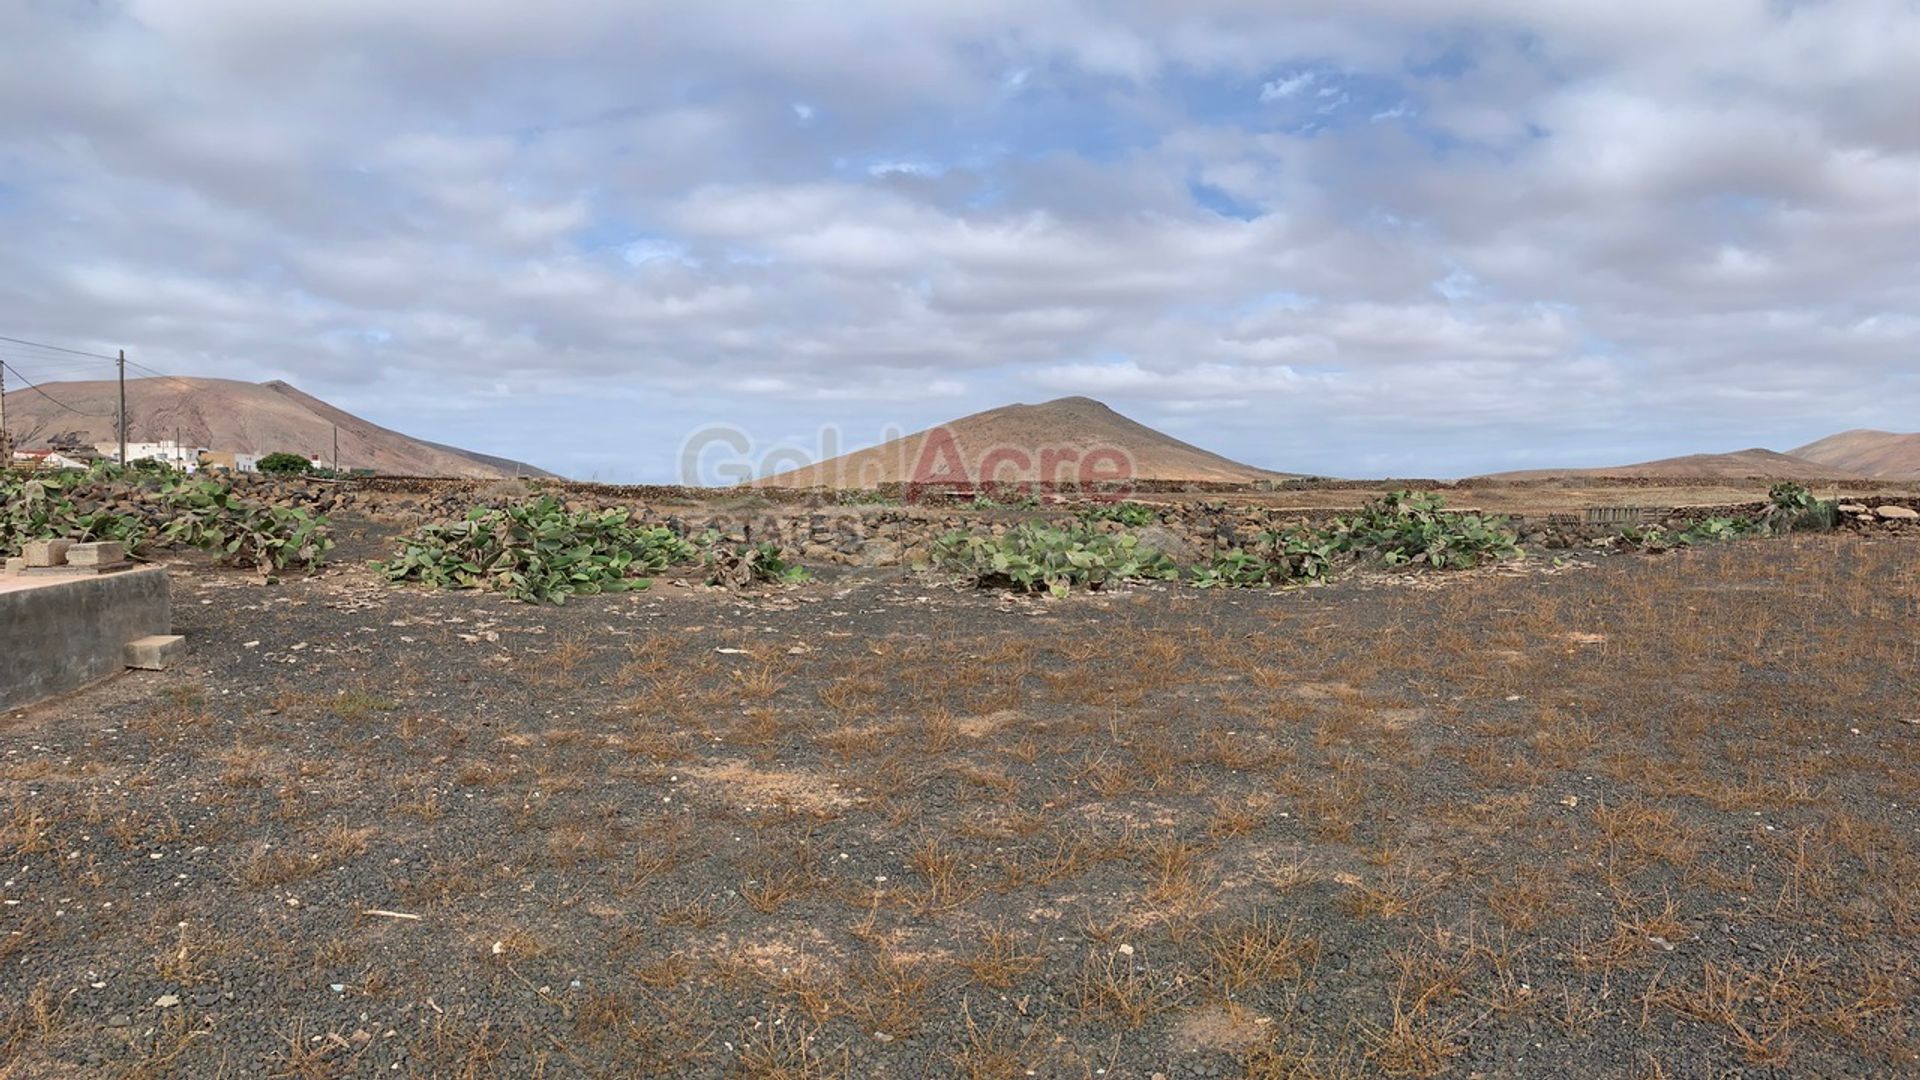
column 1736, row 465
column 1883, row 455
column 227, row 414
column 1065, row 432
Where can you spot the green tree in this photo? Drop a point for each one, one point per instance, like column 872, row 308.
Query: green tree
column 282, row 463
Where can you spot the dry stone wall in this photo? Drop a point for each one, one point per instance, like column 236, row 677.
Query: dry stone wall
column 819, row 533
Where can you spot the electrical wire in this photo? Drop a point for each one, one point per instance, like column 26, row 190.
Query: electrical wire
column 46, row 372
column 69, row 366
column 12, row 354
column 160, row 375
column 57, row 348
column 30, row 385
column 49, row 358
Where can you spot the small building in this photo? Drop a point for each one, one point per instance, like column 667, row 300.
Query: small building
column 173, row 454
column 232, row 461
column 49, row 459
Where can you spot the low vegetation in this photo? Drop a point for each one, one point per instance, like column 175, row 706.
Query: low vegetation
column 1276, row 557
column 1034, row 556
column 1131, row 514
column 282, row 463
column 1400, row 529
column 1005, row 498
column 71, row 506
column 1657, row 538
column 1405, row 528
column 206, row 514
column 539, row 551
column 147, row 508
column 1790, row 508
column 741, row 564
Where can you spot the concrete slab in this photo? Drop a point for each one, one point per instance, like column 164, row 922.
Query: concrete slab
column 61, row 633
column 80, row 570
column 156, row 652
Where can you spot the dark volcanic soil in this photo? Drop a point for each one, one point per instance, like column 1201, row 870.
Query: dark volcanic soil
column 1647, row 816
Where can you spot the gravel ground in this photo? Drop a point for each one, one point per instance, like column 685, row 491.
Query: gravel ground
column 1629, row 816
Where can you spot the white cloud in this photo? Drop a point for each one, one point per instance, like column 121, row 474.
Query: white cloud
column 881, row 169
column 1661, row 217
column 1287, row 86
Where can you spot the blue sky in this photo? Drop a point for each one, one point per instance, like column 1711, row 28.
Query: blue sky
column 1350, row 238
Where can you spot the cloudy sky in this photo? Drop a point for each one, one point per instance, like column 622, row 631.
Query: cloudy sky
column 1360, row 237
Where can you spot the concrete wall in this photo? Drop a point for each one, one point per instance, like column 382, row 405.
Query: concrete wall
column 60, row 633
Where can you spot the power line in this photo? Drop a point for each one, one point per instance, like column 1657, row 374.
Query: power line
column 70, row 366
column 42, row 355
column 55, row 348
column 156, row 374
column 159, row 375
column 66, row 369
column 44, row 358
column 51, row 356
column 57, row 370
column 50, row 397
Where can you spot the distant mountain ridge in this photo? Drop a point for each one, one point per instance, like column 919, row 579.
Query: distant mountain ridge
column 1883, row 455
column 1019, row 442
column 228, row 414
column 1736, row 465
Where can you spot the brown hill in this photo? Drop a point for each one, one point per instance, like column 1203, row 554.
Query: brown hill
column 1738, row 465
column 1883, row 455
column 227, row 414
column 1050, row 441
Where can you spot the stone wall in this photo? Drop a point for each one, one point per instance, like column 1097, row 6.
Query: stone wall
column 820, row 531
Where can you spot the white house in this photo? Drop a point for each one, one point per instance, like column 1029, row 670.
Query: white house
column 230, row 460
column 48, row 459
column 177, row 455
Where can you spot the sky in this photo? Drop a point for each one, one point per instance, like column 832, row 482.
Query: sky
column 1346, row 237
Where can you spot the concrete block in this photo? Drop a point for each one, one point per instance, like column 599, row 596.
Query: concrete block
column 76, row 571
column 103, row 553
column 59, row 633
column 46, row 552
column 16, row 563
column 156, row 652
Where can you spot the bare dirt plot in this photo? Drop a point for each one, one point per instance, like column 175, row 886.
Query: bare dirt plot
column 1647, row 817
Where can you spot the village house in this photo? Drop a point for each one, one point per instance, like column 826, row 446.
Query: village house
column 230, row 460
column 49, row 459
column 173, row 454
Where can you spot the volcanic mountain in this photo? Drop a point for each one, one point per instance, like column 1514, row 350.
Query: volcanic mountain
column 1737, row 465
column 1069, row 439
column 1883, row 455
column 230, row 415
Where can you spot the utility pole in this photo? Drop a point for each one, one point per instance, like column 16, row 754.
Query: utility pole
column 336, row 449
column 6, row 441
column 123, row 407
